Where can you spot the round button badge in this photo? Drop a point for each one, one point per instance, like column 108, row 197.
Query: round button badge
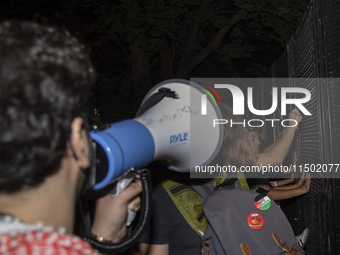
column 262, row 202
column 255, row 221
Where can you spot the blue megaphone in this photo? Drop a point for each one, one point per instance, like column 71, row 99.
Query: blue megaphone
column 170, row 125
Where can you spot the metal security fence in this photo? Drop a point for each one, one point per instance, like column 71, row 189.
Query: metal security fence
column 332, row 69
column 314, row 53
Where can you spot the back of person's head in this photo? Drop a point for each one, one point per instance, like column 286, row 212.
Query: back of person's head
column 237, row 144
column 45, row 77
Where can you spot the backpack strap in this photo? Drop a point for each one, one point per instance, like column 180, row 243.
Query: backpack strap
column 188, row 195
column 245, row 249
column 285, row 247
column 263, row 191
column 186, row 199
column 203, row 189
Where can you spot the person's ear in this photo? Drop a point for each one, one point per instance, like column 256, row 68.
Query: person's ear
column 79, row 143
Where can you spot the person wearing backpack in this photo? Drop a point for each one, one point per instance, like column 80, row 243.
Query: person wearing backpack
column 188, row 211
column 178, row 222
column 280, row 190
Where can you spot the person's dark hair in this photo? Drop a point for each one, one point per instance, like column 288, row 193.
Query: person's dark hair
column 45, row 77
column 237, row 143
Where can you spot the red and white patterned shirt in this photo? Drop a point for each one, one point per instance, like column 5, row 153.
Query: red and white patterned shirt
column 17, row 238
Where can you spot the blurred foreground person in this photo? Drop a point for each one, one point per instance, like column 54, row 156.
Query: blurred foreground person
column 45, row 78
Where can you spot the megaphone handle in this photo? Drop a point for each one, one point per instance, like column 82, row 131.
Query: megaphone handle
column 120, row 186
column 143, row 221
column 130, row 217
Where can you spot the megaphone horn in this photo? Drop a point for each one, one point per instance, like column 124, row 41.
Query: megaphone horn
column 169, row 125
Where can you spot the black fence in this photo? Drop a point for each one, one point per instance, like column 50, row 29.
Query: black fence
column 314, row 52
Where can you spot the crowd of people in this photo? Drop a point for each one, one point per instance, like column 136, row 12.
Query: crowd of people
column 46, row 157
column 240, row 147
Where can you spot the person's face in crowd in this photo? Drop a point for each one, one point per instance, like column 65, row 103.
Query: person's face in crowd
column 254, row 136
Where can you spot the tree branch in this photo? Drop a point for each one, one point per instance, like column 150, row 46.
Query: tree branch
column 215, row 42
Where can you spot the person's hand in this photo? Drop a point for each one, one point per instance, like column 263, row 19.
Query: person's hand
column 302, row 180
column 307, row 183
column 300, row 183
column 295, row 115
column 111, row 212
